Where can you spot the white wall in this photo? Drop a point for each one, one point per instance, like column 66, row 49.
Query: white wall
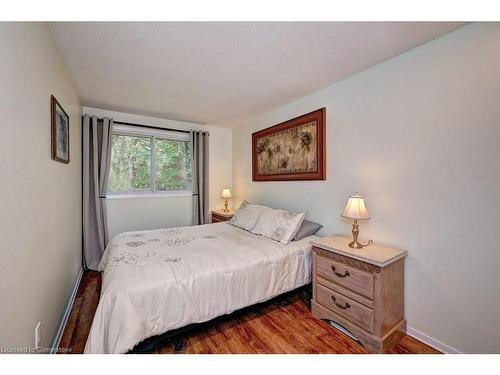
column 129, row 214
column 419, row 136
column 126, row 214
column 40, row 200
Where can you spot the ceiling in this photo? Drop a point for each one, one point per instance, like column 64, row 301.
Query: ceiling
column 222, row 73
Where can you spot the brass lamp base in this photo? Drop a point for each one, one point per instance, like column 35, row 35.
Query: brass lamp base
column 359, row 245
column 355, row 233
column 225, row 206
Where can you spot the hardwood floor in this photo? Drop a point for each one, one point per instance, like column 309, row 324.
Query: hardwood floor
column 282, row 325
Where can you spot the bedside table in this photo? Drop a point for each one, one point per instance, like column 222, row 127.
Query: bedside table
column 219, row 216
column 361, row 289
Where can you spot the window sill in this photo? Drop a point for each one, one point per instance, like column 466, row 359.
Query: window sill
column 169, row 194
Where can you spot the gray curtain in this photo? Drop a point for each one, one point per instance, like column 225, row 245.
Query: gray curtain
column 96, row 156
column 199, row 173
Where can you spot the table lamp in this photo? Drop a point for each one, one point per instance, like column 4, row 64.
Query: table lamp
column 355, row 209
column 226, row 194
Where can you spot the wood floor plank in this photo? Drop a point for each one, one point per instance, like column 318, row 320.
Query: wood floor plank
column 282, row 325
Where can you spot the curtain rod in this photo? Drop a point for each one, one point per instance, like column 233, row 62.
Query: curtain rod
column 150, row 126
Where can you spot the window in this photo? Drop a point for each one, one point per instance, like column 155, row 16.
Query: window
column 149, row 161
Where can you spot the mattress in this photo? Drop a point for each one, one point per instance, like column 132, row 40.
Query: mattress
column 159, row 280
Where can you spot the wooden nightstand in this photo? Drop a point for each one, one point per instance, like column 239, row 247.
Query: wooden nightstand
column 361, row 289
column 219, row 216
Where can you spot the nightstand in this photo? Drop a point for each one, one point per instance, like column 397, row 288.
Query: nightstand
column 361, row 289
column 219, row 216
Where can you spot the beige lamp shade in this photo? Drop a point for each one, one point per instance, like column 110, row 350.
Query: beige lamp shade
column 226, row 193
column 355, row 208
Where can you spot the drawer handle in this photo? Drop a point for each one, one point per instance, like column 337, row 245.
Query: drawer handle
column 346, row 306
column 346, row 272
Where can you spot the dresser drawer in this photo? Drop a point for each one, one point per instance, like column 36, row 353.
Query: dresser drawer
column 346, row 276
column 218, row 219
column 351, row 310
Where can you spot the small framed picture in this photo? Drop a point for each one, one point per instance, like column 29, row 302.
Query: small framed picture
column 59, row 131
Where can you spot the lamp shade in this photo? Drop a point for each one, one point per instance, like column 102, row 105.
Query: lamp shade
column 355, row 208
column 226, row 193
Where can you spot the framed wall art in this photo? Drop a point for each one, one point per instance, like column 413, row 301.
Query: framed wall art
column 292, row 150
column 59, row 131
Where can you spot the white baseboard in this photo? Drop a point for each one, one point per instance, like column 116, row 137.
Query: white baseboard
column 67, row 311
column 432, row 342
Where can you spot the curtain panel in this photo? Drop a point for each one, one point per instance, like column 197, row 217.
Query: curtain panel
column 199, row 173
column 97, row 137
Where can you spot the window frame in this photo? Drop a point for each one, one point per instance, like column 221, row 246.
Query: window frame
column 152, row 134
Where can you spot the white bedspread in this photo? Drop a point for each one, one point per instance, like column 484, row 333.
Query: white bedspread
column 159, row 280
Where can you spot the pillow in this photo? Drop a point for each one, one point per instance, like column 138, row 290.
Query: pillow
column 307, row 228
column 246, row 216
column 278, row 225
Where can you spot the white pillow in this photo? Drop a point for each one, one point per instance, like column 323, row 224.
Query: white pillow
column 246, row 216
column 278, row 225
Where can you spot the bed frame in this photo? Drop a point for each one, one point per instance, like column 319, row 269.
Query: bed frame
column 177, row 336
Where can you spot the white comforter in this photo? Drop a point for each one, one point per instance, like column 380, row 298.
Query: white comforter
column 155, row 281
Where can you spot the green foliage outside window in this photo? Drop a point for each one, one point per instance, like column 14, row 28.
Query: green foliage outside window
column 173, row 165
column 131, row 164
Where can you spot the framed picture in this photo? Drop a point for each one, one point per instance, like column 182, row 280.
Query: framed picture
column 59, row 131
column 292, row 150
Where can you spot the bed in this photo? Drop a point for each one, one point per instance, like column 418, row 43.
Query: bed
column 159, row 280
